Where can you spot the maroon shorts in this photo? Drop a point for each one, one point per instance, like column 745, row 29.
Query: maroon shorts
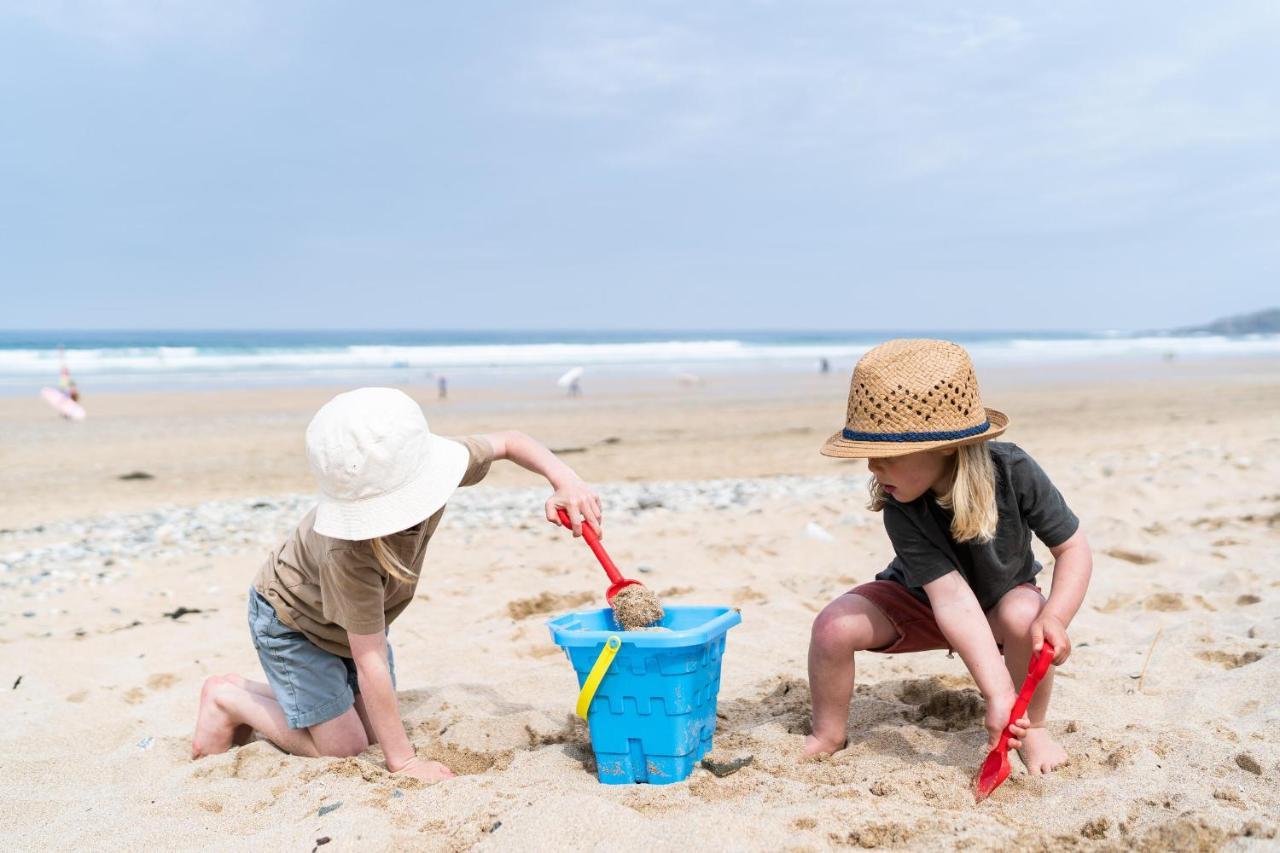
column 917, row 630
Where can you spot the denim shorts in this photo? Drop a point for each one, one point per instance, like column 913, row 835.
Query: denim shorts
column 312, row 685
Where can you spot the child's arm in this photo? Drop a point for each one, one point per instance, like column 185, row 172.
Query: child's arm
column 578, row 500
column 369, row 651
column 966, row 628
column 1072, row 568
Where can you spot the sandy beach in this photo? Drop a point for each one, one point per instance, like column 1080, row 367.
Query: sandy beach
column 120, row 596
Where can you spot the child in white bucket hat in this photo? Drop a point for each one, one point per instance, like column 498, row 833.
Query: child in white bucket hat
column 320, row 605
column 960, row 511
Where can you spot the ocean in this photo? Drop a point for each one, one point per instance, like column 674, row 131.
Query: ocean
column 122, row 360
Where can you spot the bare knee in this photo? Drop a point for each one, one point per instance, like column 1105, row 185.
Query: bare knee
column 345, row 748
column 341, row 737
column 838, row 630
column 1016, row 612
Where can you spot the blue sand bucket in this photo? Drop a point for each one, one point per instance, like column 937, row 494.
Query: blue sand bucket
column 648, row 696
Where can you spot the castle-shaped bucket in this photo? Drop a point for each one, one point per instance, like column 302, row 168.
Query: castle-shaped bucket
column 649, row 697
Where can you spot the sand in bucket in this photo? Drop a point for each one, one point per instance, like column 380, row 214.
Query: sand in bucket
column 636, row 608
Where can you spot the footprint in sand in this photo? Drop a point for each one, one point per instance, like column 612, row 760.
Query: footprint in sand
column 1138, row 559
column 942, row 708
column 162, row 681
column 547, row 602
column 1165, row 602
column 1228, row 660
column 875, row 836
column 1114, row 603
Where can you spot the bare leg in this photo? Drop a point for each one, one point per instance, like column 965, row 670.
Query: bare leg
column 259, row 687
column 364, row 720
column 1011, row 622
column 342, row 736
column 244, row 732
column 226, row 706
column 850, row 623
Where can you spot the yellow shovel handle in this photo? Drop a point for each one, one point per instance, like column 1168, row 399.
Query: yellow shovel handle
column 598, row 670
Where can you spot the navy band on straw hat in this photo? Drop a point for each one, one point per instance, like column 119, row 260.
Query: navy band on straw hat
column 909, row 395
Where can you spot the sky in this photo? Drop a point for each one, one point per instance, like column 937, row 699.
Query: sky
column 710, row 165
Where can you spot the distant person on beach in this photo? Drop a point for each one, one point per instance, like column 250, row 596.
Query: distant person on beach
column 320, row 606
column 960, row 511
column 68, row 385
column 442, row 388
column 824, row 366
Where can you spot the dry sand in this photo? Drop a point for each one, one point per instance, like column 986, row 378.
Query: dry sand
column 1174, row 474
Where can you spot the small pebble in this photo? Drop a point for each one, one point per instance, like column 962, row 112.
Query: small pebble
column 726, row 767
column 324, row 810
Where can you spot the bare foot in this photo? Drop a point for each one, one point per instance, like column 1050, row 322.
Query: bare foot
column 215, row 730
column 1040, row 752
column 814, row 745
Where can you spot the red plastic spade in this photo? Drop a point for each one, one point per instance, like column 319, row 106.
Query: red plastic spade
column 619, row 582
column 996, row 768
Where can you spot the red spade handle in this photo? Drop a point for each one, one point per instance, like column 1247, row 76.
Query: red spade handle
column 593, row 541
column 1036, row 670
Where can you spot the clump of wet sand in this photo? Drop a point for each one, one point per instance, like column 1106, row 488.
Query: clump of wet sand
column 636, row 607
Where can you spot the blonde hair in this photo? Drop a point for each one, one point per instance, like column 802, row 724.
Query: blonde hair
column 390, row 562
column 971, row 497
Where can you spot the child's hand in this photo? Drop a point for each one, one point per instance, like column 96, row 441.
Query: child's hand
column 427, row 771
column 998, row 711
column 1048, row 627
column 581, row 503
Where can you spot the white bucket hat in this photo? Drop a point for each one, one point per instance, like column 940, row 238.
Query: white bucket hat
column 379, row 467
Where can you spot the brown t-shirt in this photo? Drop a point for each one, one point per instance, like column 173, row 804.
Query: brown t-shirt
column 325, row 587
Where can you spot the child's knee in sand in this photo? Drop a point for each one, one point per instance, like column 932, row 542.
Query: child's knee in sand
column 341, row 737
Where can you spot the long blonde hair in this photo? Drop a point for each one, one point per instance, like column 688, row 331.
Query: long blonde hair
column 971, row 496
column 390, row 563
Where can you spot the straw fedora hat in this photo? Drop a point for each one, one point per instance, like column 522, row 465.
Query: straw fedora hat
column 909, row 395
column 379, row 467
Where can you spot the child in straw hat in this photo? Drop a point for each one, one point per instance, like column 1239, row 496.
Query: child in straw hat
column 321, row 603
column 960, row 510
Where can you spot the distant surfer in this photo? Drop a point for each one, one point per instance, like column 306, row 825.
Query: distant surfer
column 65, row 398
column 571, row 381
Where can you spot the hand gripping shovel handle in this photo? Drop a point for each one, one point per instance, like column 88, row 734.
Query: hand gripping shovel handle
column 593, row 541
column 1035, row 673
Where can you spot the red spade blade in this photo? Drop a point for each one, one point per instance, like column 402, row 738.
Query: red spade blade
column 619, row 587
column 994, row 771
column 996, row 768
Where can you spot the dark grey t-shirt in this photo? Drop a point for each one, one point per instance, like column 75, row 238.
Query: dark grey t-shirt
column 1027, row 502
